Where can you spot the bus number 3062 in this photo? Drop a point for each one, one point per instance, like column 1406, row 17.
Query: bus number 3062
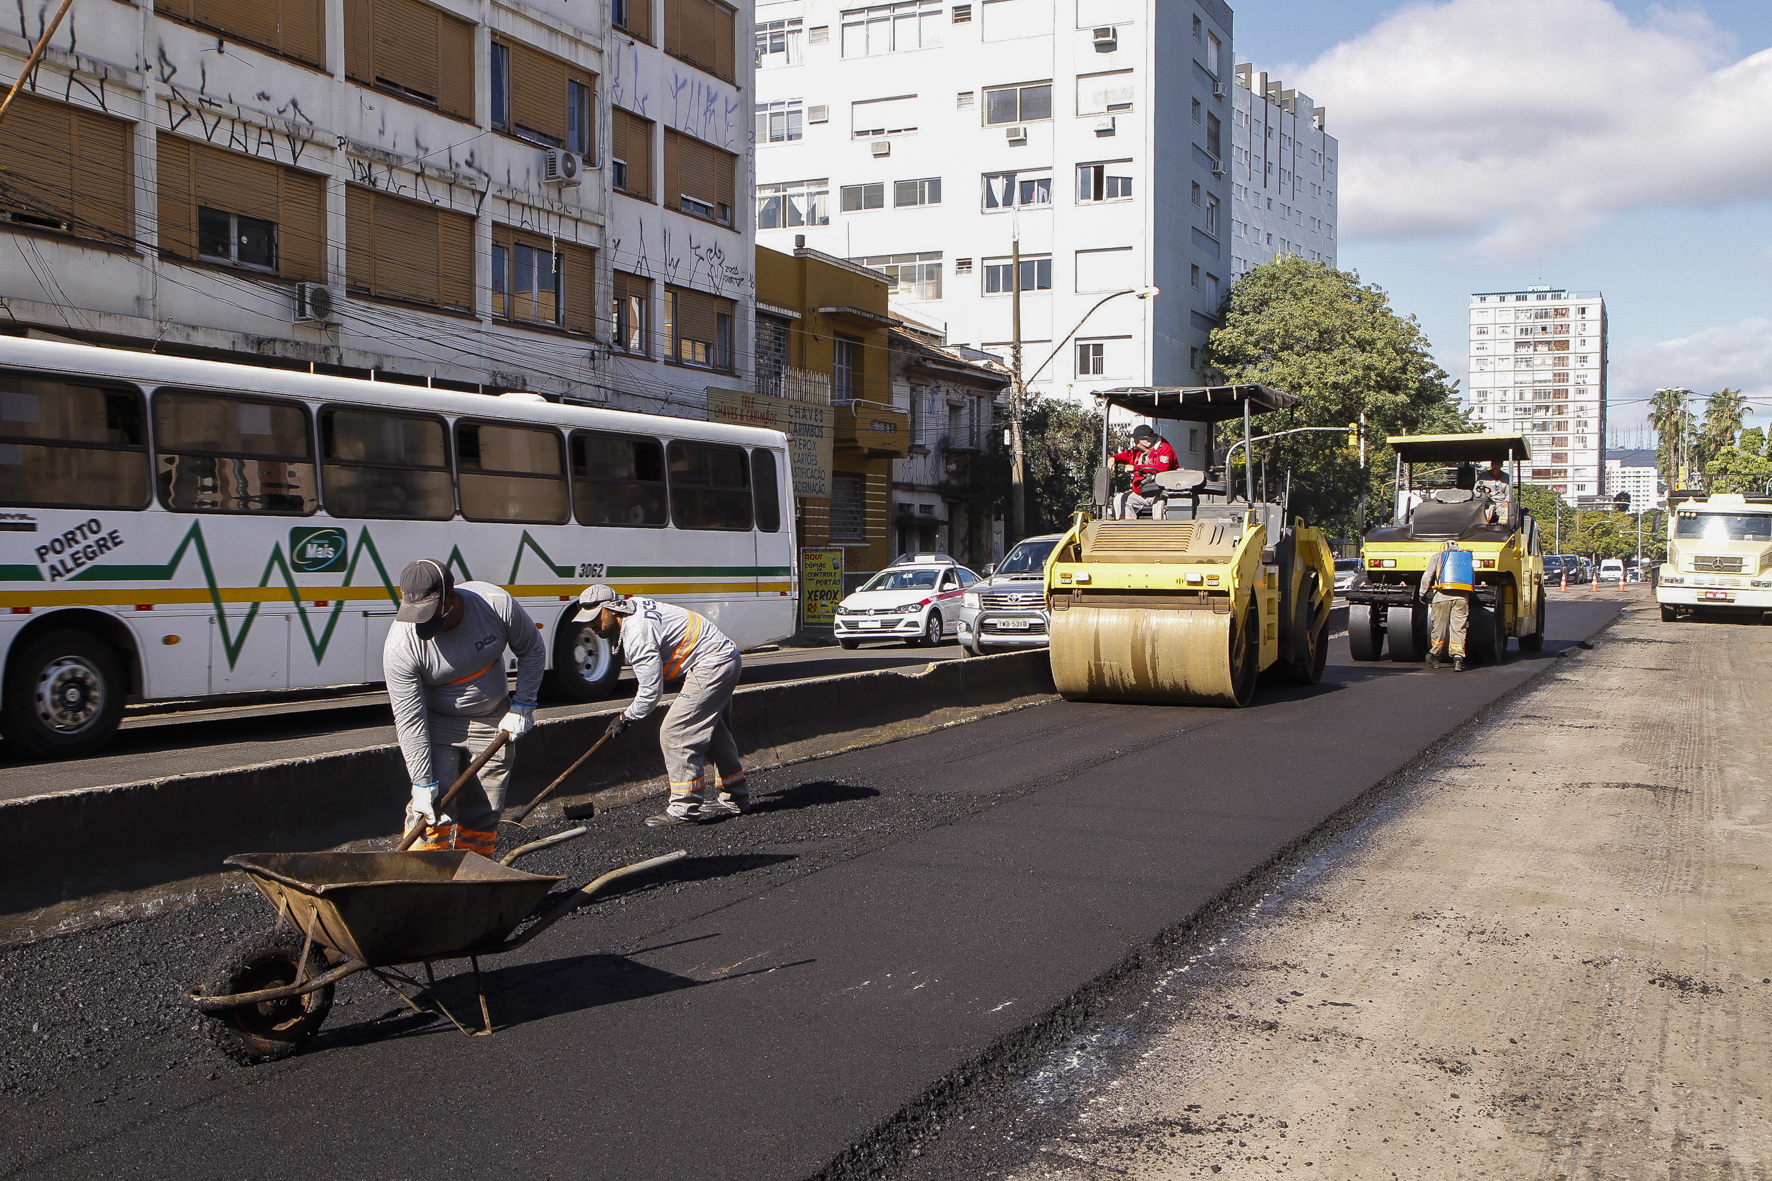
column 590, row 569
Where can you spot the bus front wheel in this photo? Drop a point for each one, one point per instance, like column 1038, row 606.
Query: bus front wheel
column 64, row 696
column 586, row 666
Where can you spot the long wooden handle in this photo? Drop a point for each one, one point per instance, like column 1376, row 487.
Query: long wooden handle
column 549, row 789
column 492, row 748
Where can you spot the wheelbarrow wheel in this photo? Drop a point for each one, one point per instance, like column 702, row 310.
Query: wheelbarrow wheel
column 251, row 1034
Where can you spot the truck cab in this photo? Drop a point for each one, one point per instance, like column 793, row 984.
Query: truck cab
column 1719, row 556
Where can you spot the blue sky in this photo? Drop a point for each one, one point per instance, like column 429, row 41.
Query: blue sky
column 1607, row 145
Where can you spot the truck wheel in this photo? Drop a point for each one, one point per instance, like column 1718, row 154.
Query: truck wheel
column 1408, row 634
column 1365, row 631
column 1313, row 655
column 586, row 666
column 1480, row 635
column 250, row 1034
column 64, row 696
column 1535, row 641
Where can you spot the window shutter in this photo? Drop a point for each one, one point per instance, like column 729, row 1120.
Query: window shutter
column 455, row 60
column 177, row 212
column 578, row 287
column 179, row 8
column 359, row 238
column 632, row 286
column 455, row 259
column 673, row 25
column 702, row 32
column 291, row 27
column 639, row 19
column 412, row 46
column 234, row 182
column 250, row 20
column 695, row 314
column 538, row 91
column 303, row 25
column 89, row 165
column 673, row 165
column 631, row 138
column 406, row 42
column 360, row 40
column 401, row 249
column 702, row 171
column 722, row 62
column 301, row 225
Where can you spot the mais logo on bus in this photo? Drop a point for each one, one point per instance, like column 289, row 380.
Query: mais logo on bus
column 317, row 551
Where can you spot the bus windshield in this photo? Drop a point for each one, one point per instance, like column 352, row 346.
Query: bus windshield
column 1723, row 526
column 1027, row 558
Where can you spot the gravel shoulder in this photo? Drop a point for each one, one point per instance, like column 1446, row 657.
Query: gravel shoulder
column 1547, row 958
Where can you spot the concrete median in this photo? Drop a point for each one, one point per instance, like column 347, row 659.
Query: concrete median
column 59, row 851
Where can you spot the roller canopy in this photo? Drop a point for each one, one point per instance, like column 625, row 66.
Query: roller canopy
column 1459, row 448
column 1198, row 403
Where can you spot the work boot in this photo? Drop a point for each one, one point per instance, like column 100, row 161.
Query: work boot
column 667, row 820
column 728, row 805
column 1458, row 664
column 1433, row 659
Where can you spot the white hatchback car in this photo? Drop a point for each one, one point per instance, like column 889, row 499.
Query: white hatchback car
column 915, row 601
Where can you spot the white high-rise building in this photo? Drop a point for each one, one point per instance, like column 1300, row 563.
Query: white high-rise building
column 924, row 137
column 1538, row 367
column 1283, row 174
column 1634, row 470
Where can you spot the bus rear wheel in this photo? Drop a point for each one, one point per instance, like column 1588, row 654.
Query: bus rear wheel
column 586, row 666
column 64, row 696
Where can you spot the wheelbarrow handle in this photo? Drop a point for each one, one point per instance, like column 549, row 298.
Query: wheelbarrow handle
column 492, row 748
column 579, row 897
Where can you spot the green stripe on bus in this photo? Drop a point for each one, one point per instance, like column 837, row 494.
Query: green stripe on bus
column 697, row 571
column 20, row 574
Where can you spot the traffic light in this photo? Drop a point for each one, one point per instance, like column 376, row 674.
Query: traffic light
column 1353, row 434
column 1622, row 500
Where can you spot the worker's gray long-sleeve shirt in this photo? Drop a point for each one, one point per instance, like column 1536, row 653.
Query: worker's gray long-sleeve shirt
column 661, row 641
column 460, row 672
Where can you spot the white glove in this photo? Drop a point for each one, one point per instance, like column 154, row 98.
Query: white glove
column 519, row 720
column 424, row 801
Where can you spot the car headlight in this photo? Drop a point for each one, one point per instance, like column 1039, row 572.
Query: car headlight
column 1672, row 581
column 842, row 610
column 906, row 608
column 969, row 600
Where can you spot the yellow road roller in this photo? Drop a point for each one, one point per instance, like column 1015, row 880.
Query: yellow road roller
column 1192, row 605
column 1462, row 488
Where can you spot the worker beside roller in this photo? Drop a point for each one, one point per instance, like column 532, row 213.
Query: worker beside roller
column 444, row 663
column 1448, row 583
column 1147, row 456
column 662, row 641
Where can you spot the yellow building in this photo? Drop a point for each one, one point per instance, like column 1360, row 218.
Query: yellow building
column 822, row 328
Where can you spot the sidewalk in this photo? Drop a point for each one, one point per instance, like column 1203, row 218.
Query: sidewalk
column 1549, row 959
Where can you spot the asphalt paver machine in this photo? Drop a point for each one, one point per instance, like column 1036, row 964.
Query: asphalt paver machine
column 1462, row 488
column 1191, row 606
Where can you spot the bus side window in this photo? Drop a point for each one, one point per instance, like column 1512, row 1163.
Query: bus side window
column 68, row 445
column 618, row 480
column 768, row 492
column 220, row 454
column 710, row 486
column 510, row 473
column 379, row 464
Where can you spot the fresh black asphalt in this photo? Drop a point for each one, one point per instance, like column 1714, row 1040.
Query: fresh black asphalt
column 884, row 918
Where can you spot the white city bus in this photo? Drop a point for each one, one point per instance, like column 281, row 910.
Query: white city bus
column 171, row 529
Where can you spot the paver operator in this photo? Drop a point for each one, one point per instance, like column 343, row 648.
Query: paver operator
column 1448, row 581
column 661, row 641
column 444, row 662
column 1147, row 456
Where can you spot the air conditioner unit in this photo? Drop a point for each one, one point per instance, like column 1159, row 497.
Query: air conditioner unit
column 1016, row 135
column 1106, row 39
column 1218, row 90
column 1218, row 168
column 314, row 304
column 560, row 167
column 881, row 147
column 1105, row 127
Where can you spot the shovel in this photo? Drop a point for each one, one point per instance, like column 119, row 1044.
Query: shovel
column 549, row 789
column 492, row 748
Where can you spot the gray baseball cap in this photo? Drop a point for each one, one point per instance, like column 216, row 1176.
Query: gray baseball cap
column 424, row 588
column 596, row 596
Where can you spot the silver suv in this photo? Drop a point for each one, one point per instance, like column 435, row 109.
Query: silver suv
column 1007, row 610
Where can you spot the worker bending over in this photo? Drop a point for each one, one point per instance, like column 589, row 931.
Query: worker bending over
column 1147, row 456
column 444, row 662
column 662, row 641
column 1448, row 582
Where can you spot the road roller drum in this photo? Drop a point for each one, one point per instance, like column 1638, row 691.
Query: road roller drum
column 1186, row 656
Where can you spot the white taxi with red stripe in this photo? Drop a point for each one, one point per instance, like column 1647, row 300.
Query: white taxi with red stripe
column 915, row 600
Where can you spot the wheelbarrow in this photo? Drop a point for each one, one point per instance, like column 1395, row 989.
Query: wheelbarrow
column 344, row 913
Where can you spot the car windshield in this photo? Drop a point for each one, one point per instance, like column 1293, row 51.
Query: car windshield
column 1027, row 558
column 902, row 580
column 1723, row 526
column 1347, row 564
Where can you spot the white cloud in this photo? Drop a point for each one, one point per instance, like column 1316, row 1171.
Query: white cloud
column 1738, row 356
column 1526, row 122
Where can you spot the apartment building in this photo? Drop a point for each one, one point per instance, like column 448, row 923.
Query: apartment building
column 1634, row 470
column 1538, row 367
column 463, row 193
column 937, row 140
column 1283, row 174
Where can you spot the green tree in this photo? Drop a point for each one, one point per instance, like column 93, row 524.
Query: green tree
column 1063, row 444
column 1670, row 417
column 1739, row 469
column 1320, row 333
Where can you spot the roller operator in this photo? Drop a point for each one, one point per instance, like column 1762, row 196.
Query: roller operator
column 1147, row 456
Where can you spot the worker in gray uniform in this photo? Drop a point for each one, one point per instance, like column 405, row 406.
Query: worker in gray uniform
column 661, row 641
column 444, row 662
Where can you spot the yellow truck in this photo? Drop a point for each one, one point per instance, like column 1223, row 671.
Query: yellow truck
column 1194, row 604
column 1452, row 488
column 1719, row 556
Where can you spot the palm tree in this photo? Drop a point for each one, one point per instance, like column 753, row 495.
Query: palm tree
column 1672, row 422
column 1723, row 412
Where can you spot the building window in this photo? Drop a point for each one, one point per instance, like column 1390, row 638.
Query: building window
column 1196, row 110
column 535, row 282
column 1104, row 94
column 698, row 177
column 848, row 507
column 772, row 354
column 1193, row 360
column 698, row 328
column 1018, row 104
column 71, row 169
column 916, row 192
column 1197, row 28
column 701, row 33
column 962, row 14
column 1212, row 216
column 229, row 237
column 794, row 203
column 913, row 276
column 1193, row 275
column 630, row 153
column 631, row 315
column 1214, row 137
column 1011, row 190
column 883, row 116
column 845, row 368
column 999, row 275
column 633, row 15
column 778, row 122
column 1091, row 359
column 413, row 51
column 778, row 43
column 408, row 250
column 891, row 28
column 1214, row 50
column 231, row 208
column 541, row 99
column 1096, row 183
column 859, row 197
column 293, row 28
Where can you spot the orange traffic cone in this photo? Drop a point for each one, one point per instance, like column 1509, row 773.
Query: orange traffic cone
column 1565, row 577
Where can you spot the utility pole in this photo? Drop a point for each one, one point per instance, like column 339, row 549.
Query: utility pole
column 1559, row 542
column 1018, row 509
column 1364, row 481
